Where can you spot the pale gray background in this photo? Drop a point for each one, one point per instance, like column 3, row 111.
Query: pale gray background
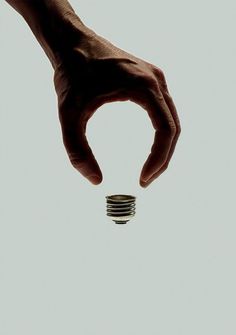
column 66, row 268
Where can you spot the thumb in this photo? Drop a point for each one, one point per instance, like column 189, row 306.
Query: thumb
column 73, row 125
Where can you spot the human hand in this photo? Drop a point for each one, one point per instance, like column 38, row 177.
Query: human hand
column 91, row 72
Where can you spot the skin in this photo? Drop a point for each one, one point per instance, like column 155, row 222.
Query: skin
column 89, row 71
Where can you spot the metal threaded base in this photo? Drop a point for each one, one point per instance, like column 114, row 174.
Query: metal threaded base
column 120, row 207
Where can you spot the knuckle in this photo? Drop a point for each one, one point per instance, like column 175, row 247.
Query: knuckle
column 170, row 128
column 178, row 129
column 161, row 74
column 173, row 131
column 76, row 160
column 77, row 164
column 164, row 167
column 161, row 78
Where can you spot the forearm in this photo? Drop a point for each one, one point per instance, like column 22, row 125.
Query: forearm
column 50, row 20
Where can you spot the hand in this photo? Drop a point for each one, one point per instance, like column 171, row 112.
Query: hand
column 94, row 72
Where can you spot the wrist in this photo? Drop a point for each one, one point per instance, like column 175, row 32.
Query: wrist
column 60, row 34
column 54, row 23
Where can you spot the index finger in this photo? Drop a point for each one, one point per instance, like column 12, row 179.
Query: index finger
column 163, row 122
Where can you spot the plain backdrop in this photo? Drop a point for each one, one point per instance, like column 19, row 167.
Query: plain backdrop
column 65, row 268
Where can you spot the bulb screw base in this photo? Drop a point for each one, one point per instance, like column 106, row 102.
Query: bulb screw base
column 120, row 207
